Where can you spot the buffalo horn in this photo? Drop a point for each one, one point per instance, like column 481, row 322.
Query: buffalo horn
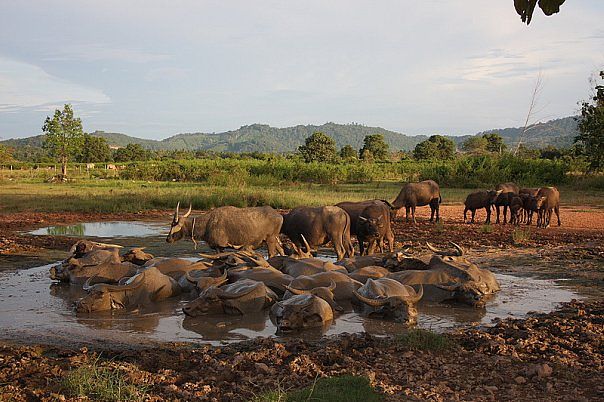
column 368, row 301
column 431, row 247
column 176, row 213
column 188, row 212
column 305, row 243
column 225, row 295
column 418, row 295
column 190, row 278
column 332, row 286
column 222, row 279
column 458, row 248
column 135, row 284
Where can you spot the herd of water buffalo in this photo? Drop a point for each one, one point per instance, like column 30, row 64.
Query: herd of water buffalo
column 302, row 291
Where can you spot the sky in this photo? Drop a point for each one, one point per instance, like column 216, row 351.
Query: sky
column 153, row 69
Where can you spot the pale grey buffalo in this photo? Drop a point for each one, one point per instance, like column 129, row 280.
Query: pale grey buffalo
column 414, row 195
column 230, row 227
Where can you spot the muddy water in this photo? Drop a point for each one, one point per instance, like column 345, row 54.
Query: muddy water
column 32, row 307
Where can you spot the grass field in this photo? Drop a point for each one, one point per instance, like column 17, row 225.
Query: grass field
column 112, row 196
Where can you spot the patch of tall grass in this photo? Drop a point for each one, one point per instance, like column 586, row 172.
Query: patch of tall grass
column 421, row 339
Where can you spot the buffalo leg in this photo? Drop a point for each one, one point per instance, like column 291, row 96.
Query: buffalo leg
column 390, row 238
column 465, row 211
column 413, row 213
column 505, row 214
column 473, row 215
column 497, row 208
column 407, row 214
column 557, row 210
column 488, row 214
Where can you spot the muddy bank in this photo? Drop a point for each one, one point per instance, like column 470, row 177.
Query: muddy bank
column 556, row 356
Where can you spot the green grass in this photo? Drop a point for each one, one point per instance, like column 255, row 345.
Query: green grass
column 112, row 196
column 521, row 235
column 421, row 339
column 334, row 389
column 101, row 383
column 486, row 228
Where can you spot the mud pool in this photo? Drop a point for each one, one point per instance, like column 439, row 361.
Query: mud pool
column 33, row 307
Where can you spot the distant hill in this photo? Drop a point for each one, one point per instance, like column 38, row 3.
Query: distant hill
column 264, row 138
column 558, row 132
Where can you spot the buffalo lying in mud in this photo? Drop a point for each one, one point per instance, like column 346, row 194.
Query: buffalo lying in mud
column 397, row 261
column 310, row 266
column 371, row 272
column 451, row 277
column 92, row 259
column 204, row 281
column 145, row 288
column 241, row 297
column 304, row 310
column 370, row 222
column 230, row 227
column 137, row 256
column 389, row 298
column 271, row 277
column 319, row 226
column 343, row 289
column 414, row 195
column 478, row 200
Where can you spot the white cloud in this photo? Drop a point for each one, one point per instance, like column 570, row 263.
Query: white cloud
column 98, row 52
column 24, row 85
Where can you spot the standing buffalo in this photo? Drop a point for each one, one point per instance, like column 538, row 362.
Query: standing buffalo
column 548, row 200
column 370, row 222
column 480, row 199
column 318, row 226
column 528, row 196
column 503, row 200
column 508, row 188
column 230, row 227
column 516, row 205
column 419, row 194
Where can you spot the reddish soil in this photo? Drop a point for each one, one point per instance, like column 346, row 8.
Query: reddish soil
column 557, row 356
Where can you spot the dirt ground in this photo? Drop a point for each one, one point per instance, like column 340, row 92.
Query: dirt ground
column 556, row 356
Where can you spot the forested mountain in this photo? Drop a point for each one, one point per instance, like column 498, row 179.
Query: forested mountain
column 264, row 138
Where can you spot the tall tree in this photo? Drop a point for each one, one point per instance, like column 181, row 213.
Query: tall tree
column 318, row 148
column 131, row 152
column 6, row 153
column 495, row 143
column 376, row 145
column 435, row 147
column 475, row 145
column 94, row 149
column 591, row 127
column 347, row 152
column 63, row 136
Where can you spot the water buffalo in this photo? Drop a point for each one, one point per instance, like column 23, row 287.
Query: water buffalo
column 373, row 228
column 107, row 272
column 389, row 298
column 503, row 200
column 325, row 293
column 370, row 221
column 244, row 296
column 370, row 272
column 508, row 188
column 527, row 195
column 548, row 201
column 451, row 277
column 309, row 266
column 414, row 195
column 176, row 267
column 230, row 227
column 301, row 312
column 137, row 256
column 480, row 199
column 271, row 277
column 392, row 261
column 204, row 280
column 516, row 208
column 344, row 284
column 318, row 226
column 147, row 287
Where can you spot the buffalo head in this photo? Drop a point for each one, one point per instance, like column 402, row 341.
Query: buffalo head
column 389, row 298
column 178, row 226
column 102, row 297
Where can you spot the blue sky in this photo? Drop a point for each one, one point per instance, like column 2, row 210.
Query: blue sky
column 157, row 68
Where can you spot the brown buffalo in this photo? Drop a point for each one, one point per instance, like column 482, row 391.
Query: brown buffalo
column 548, row 201
column 478, row 200
column 370, row 222
column 319, row 226
column 230, row 227
column 414, row 195
column 389, row 298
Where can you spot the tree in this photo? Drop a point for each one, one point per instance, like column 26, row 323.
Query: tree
column 347, row 152
column 376, row 145
column 131, row 152
column 6, row 154
column 63, row 136
column 318, row 148
column 525, row 8
column 475, row 145
column 435, row 147
column 591, row 128
column 495, row 143
column 94, row 149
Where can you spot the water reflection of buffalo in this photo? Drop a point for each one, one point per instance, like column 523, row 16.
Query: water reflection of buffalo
column 217, row 327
